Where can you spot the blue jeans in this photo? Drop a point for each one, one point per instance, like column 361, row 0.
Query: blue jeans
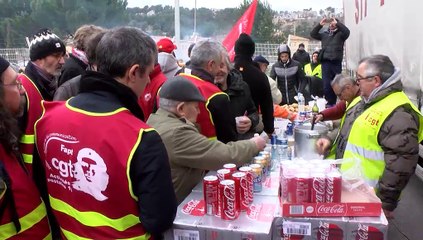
column 329, row 70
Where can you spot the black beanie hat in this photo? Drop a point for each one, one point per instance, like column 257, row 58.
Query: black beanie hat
column 4, row 64
column 245, row 45
column 45, row 43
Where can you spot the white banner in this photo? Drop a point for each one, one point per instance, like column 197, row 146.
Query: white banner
column 388, row 27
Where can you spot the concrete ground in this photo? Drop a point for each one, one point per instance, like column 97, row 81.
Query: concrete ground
column 408, row 221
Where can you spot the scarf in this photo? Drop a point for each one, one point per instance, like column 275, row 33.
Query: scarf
column 80, row 55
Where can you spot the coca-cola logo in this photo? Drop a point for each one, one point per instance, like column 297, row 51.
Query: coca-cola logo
column 194, row 207
column 253, row 211
column 334, row 209
column 245, row 188
column 363, row 232
column 324, row 230
column 229, row 193
column 319, row 186
column 329, row 189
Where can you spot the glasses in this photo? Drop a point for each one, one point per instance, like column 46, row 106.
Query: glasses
column 358, row 79
column 16, row 83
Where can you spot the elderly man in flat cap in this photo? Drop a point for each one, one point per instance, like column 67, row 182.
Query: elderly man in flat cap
column 191, row 153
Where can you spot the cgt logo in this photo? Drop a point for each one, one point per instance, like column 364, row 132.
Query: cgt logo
column 65, row 168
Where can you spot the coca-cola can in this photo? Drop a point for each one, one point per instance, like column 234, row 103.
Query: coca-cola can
column 210, row 191
column 318, row 187
column 228, row 203
column 333, row 186
column 302, row 188
column 224, row 174
column 249, row 174
column 230, row 166
column 257, row 177
column 243, row 188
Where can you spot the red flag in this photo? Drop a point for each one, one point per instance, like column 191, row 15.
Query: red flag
column 243, row 25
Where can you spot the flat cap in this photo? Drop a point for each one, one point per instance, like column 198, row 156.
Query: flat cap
column 181, row 89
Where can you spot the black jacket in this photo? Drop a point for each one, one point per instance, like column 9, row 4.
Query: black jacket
column 72, row 68
column 149, row 170
column 219, row 107
column 332, row 44
column 259, row 87
column 302, row 57
column 290, row 79
column 241, row 101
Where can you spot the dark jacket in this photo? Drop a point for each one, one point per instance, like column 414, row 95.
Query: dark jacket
column 149, row 170
column 68, row 89
column 398, row 137
column 332, row 44
column 219, row 107
column 259, row 87
column 241, row 101
column 290, row 78
column 302, row 57
column 72, row 68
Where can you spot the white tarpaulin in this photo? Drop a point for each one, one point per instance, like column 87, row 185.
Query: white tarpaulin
column 388, row 27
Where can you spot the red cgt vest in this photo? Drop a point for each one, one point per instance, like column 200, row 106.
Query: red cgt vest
column 29, row 207
column 87, row 157
column 34, row 111
column 205, row 119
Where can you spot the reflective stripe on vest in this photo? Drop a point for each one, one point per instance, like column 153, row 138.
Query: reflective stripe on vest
column 317, row 71
column 94, row 219
column 8, row 230
column 362, row 142
column 70, row 235
column 332, row 154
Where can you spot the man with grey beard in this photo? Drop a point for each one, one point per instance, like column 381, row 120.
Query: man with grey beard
column 47, row 53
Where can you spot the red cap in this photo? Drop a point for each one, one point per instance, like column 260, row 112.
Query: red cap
column 165, row 45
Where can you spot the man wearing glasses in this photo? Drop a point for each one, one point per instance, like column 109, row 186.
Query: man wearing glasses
column 382, row 129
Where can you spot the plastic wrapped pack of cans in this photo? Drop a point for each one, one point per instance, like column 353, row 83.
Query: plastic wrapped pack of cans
column 314, row 181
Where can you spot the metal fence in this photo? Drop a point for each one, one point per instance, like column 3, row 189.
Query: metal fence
column 20, row 56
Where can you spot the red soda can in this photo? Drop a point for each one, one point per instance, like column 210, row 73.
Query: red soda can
column 302, row 188
column 210, row 190
column 243, row 188
column 318, row 187
column 250, row 177
column 228, row 203
column 230, row 166
column 333, row 186
column 224, row 174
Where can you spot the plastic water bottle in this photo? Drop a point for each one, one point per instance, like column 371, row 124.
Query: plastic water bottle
column 283, row 148
column 301, row 103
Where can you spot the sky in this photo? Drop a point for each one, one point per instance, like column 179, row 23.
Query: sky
column 277, row 5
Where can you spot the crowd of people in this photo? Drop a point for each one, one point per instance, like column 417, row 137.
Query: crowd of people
column 105, row 141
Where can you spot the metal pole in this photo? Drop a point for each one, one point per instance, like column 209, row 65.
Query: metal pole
column 177, row 24
column 195, row 18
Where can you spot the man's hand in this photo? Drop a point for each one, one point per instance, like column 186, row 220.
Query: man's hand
column 243, row 124
column 259, row 141
column 319, row 117
column 323, row 21
column 388, row 214
column 322, row 145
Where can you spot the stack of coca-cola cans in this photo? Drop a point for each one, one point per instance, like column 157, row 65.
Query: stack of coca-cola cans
column 310, row 182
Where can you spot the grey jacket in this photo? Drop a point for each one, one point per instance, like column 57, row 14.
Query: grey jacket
column 191, row 154
column 398, row 138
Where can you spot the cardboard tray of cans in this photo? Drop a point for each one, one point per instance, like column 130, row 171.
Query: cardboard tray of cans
column 342, row 228
column 352, row 204
column 192, row 223
column 318, row 189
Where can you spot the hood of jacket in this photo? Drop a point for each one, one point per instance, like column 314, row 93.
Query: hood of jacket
column 168, row 62
column 283, row 48
column 235, row 83
column 392, row 84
